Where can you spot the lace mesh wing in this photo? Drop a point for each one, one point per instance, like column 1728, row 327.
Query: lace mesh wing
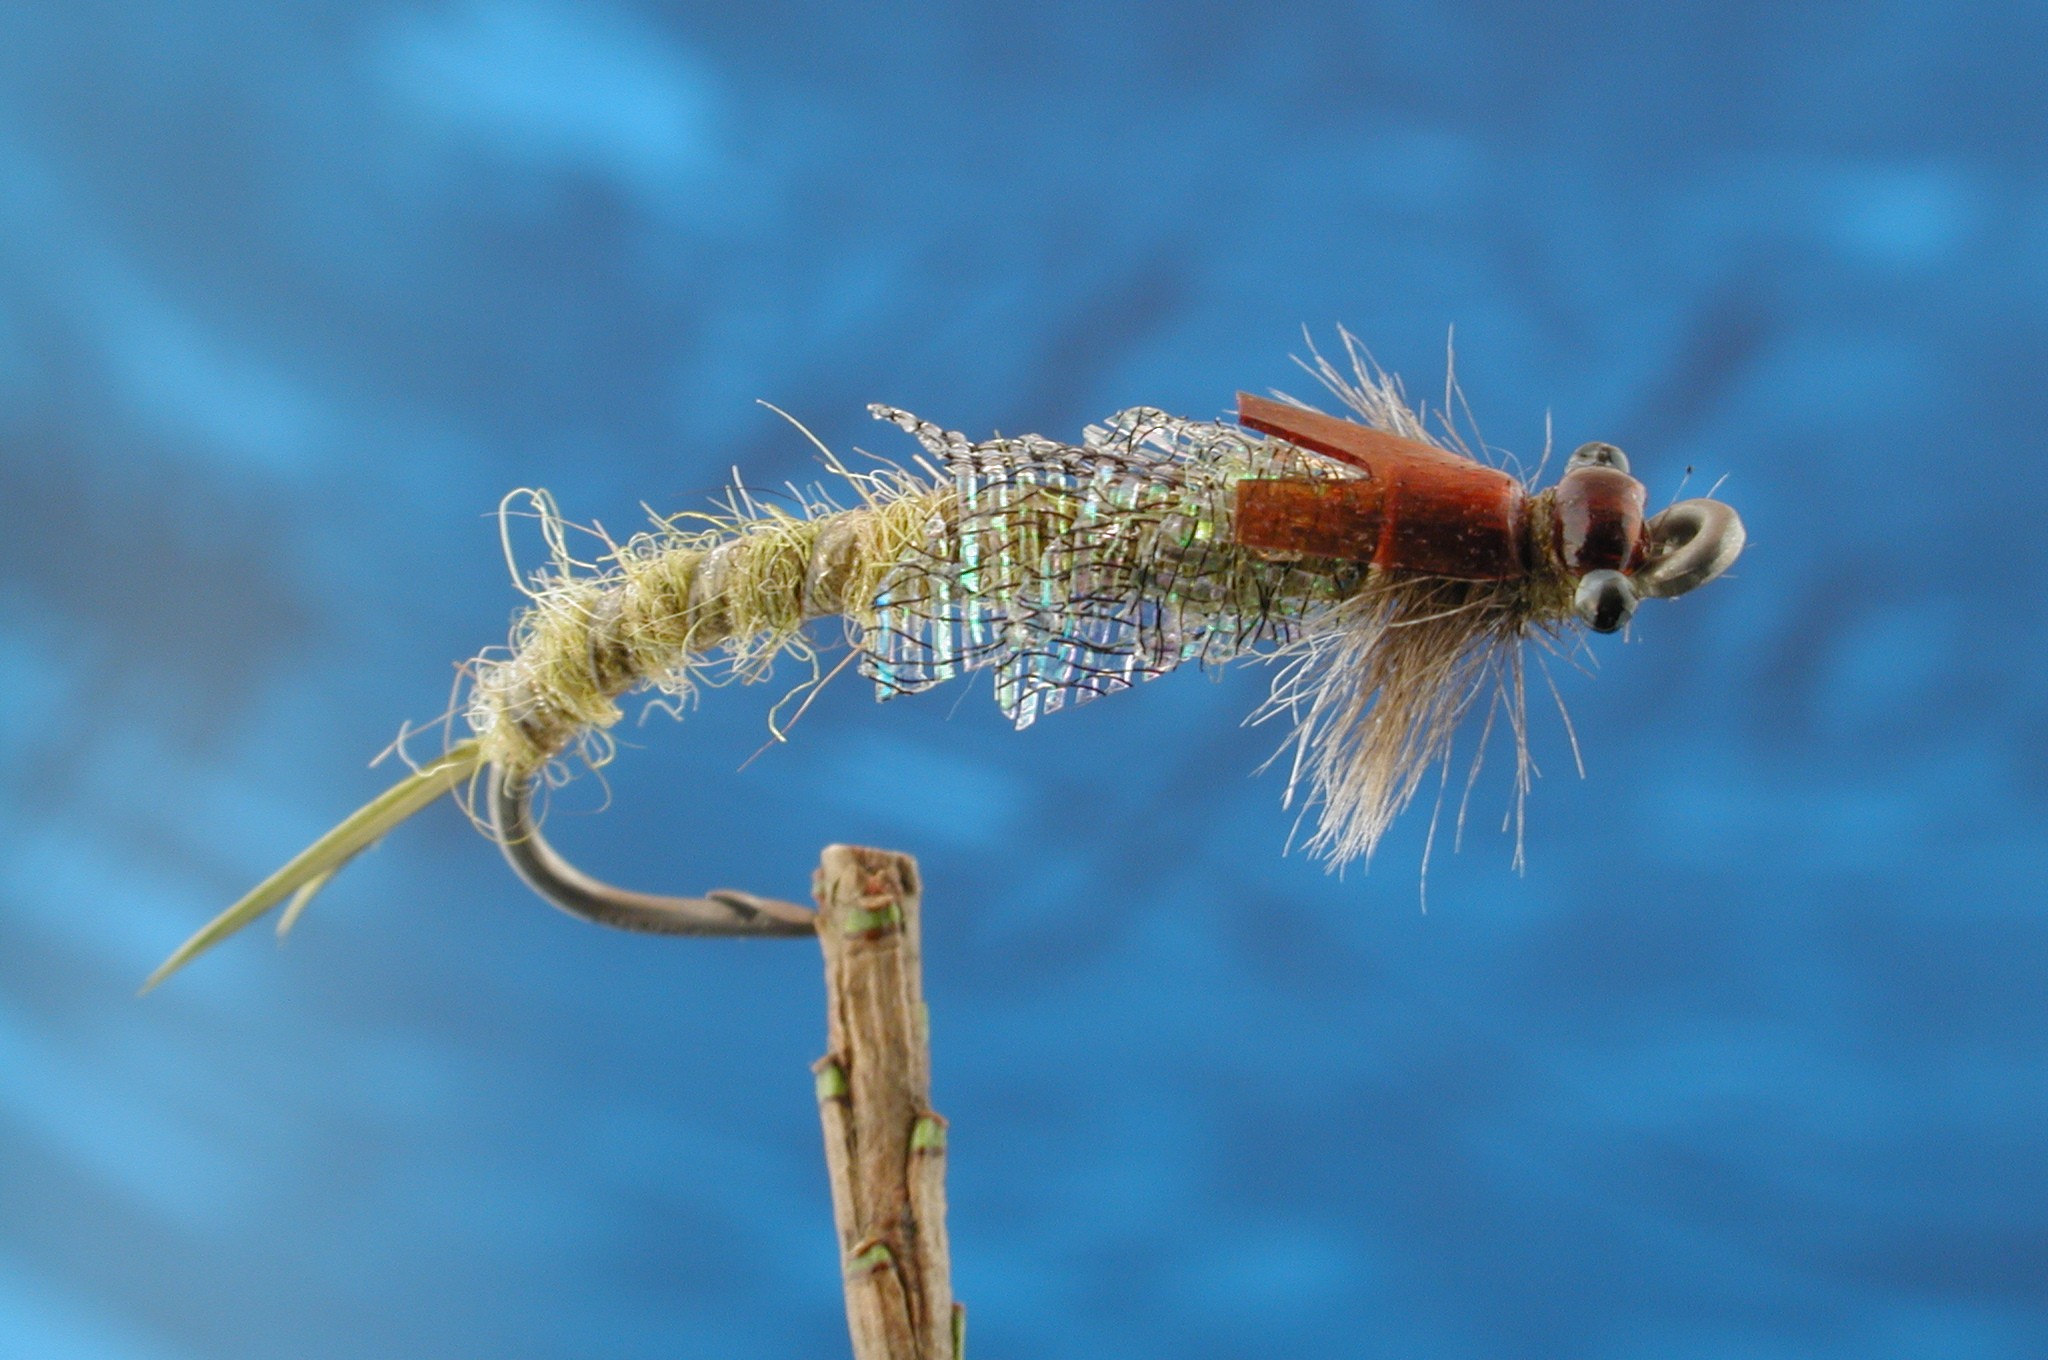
column 1073, row 571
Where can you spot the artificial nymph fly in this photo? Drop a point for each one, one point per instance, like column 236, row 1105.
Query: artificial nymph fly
column 1393, row 577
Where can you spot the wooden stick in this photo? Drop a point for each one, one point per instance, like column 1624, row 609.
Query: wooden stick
column 884, row 1144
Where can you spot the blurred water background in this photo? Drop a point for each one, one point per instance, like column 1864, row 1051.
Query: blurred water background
column 1750, row 1063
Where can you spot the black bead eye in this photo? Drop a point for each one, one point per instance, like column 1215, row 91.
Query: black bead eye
column 1605, row 600
column 1597, row 455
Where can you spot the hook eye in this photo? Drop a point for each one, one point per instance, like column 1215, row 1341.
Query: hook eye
column 1689, row 545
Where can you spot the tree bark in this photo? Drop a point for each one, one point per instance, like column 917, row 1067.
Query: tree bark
column 884, row 1144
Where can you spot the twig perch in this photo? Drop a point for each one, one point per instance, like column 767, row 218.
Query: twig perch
column 884, row 1144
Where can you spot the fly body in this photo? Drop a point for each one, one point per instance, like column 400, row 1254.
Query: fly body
column 1393, row 579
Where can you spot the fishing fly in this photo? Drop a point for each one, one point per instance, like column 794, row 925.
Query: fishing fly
column 1392, row 575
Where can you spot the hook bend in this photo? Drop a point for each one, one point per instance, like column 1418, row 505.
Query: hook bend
column 723, row 912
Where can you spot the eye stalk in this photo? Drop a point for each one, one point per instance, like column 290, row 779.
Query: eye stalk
column 1601, row 538
column 1599, row 534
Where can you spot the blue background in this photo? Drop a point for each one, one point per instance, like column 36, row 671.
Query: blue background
column 1749, row 1064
